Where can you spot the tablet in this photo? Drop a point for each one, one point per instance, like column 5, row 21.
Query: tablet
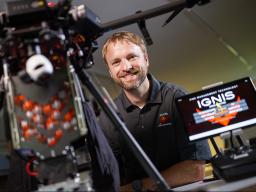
column 218, row 109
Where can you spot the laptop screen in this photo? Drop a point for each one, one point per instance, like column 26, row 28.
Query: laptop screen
column 218, row 109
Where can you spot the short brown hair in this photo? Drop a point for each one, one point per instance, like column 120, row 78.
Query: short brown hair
column 124, row 36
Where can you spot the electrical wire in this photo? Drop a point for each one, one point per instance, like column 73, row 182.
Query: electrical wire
column 28, row 168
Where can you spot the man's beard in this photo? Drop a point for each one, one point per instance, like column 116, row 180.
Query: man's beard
column 141, row 75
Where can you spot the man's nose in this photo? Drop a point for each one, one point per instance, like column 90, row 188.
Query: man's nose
column 126, row 65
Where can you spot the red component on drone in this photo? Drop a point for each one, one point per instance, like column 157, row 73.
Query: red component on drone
column 47, row 109
column 28, row 133
column 19, row 99
column 28, row 168
column 24, row 126
column 28, row 105
column 51, row 4
column 58, row 134
column 68, row 116
column 49, row 123
column 51, row 142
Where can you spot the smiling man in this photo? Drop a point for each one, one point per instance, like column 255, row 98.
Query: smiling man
column 147, row 106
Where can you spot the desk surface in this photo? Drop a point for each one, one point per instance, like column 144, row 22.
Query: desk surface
column 219, row 185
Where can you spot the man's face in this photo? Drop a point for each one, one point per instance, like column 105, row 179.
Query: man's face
column 127, row 64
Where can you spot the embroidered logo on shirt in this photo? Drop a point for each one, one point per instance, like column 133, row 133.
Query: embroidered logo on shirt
column 164, row 119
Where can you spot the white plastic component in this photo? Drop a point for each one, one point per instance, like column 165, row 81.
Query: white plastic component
column 38, row 65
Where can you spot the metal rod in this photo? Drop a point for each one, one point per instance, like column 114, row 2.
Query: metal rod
column 144, row 15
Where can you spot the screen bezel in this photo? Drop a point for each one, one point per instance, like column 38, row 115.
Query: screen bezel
column 221, row 129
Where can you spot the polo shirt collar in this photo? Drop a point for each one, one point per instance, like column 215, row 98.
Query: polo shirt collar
column 155, row 93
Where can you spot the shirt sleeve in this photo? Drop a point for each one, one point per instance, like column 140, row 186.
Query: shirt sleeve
column 188, row 150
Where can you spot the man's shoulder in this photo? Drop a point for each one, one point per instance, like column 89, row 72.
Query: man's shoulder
column 172, row 88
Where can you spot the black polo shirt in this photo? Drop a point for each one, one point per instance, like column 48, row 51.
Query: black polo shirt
column 156, row 127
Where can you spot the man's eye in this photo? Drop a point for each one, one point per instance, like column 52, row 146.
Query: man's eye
column 115, row 63
column 132, row 57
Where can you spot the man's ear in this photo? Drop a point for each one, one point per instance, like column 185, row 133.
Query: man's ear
column 146, row 58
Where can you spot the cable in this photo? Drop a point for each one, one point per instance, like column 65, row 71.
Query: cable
column 28, row 166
